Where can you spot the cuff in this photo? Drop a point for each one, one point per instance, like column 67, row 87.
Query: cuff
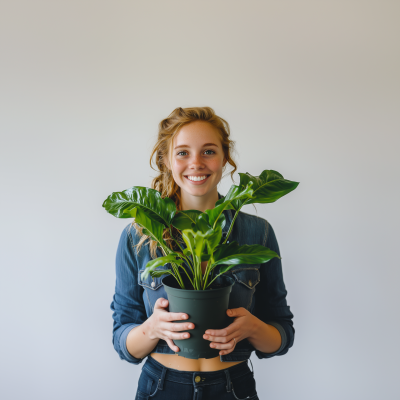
column 122, row 345
column 282, row 332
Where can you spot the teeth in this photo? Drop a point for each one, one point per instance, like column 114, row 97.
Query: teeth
column 197, row 178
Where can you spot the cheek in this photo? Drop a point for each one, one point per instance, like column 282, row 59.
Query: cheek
column 215, row 165
column 179, row 166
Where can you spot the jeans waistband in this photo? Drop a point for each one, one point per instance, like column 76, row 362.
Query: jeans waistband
column 196, row 378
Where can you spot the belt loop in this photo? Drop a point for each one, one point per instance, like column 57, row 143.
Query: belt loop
column 228, row 380
column 161, row 380
column 252, row 369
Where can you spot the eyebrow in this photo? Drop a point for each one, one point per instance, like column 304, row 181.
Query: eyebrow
column 185, row 145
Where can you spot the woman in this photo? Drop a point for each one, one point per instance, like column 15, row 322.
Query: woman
column 192, row 151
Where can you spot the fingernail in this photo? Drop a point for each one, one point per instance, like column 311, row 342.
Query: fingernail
column 184, row 316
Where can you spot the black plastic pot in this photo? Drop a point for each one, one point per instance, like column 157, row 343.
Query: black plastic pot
column 205, row 308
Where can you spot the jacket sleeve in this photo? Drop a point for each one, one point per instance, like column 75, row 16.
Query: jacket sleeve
column 127, row 304
column 270, row 305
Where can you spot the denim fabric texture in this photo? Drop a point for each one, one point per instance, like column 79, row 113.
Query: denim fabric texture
column 162, row 383
column 258, row 287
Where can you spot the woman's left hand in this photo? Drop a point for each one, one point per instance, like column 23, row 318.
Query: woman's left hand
column 241, row 328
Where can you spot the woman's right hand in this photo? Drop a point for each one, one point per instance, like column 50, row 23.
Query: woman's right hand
column 160, row 325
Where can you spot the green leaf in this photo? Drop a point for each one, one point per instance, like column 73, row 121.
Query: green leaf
column 122, row 204
column 184, row 219
column 159, row 262
column 202, row 225
column 187, row 252
column 205, row 257
column 151, row 228
column 188, row 238
column 232, row 254
column 158, row 273
column 235, row 194
column 267, row 187
column 213, row 239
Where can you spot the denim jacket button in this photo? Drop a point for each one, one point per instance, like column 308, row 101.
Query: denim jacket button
column 250, row 282
column 153, row 284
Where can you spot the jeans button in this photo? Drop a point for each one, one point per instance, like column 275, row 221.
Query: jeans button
column 197, row 379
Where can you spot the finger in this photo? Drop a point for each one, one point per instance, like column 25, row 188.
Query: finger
column 177, row 327
column 161, row 303
column 223, row 346
column 222, row 339
column 220, row 332
column 176, row 335
column 171, row 316
column 172, row 345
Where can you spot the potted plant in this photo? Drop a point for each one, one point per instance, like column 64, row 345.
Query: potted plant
column 203, row 296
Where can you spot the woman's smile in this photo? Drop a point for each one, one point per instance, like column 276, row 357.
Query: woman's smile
column 197, row 179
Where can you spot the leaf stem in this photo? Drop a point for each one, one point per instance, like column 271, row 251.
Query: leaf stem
column 233, row 221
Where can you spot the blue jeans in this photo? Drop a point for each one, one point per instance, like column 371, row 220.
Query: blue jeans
column 161, row 383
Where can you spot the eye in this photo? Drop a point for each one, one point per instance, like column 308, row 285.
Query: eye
column 183, row 151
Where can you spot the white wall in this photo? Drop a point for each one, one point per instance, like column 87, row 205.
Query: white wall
column 310, row 89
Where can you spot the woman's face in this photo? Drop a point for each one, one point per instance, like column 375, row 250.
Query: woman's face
column 197, row 154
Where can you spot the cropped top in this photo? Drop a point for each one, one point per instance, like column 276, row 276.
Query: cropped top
column 258, row 287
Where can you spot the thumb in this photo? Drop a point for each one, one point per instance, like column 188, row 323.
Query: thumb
column 234, row 312
column 161, row 303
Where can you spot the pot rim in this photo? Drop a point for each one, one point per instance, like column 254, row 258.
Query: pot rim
column 229, row 280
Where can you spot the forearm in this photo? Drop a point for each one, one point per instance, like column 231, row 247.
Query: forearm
column 138, row 342
column 265, row 338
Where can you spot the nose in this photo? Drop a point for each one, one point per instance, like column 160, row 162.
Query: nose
column 197, row 162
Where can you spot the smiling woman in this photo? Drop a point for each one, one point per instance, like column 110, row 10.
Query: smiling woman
column 196, row 159
column 192, row 151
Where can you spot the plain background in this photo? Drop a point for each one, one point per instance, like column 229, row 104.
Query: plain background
column 309, row 88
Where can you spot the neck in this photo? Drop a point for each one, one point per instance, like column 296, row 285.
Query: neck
column 201, row 203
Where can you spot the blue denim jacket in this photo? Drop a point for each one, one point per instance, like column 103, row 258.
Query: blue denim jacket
column 258, row 287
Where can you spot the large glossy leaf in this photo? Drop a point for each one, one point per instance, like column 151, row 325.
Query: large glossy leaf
column 267, row 187
column 185, row 218
column 235, row 194
column 213, row 239
column 151, row 228
column 232, row 254
column 188, row 238
column 159, row 262
column 120, row 204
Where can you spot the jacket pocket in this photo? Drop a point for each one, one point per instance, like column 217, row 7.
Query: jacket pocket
column 244, row 287
column 153, row 289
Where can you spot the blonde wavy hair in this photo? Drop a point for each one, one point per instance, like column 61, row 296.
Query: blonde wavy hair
column 168, row 128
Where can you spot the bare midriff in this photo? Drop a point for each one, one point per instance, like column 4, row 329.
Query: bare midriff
column 175, row 361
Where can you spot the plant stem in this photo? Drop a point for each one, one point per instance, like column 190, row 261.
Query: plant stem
column 188, row 276
column 208, row 269
column 170, row 231
column 214, row 279
column 233, row 221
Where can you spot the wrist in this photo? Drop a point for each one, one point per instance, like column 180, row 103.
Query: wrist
column 147, row 328
column 254, row 326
